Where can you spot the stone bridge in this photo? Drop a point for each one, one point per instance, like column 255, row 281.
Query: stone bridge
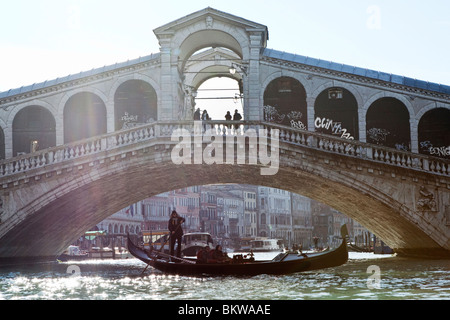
column 76, row 149
column 52, row 196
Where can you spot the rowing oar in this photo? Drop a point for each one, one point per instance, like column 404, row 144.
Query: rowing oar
column 181, row 259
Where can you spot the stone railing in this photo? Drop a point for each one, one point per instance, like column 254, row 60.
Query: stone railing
column 363, row 150
column 163, row 130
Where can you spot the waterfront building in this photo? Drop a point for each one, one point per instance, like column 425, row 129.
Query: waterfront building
column 250, row 210
column 209, row 219
column 230, row 212
column 302, row 227
column 186, row 202
column 275, row 220
column 156, row 211
column 127, row 221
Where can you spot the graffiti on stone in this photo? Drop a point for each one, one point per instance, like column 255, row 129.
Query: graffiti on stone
column 401, row 147
column 271, row 114
column 334, row 126
column 443, row 151
column 294, row 117
column 378, row 134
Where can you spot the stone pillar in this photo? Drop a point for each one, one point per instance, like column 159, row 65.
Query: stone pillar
column 253, row 105
column 311, row 113
column 165, row 110
column 414, row 127
column 110, row 117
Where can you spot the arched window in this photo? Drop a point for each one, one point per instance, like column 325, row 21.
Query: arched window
column 263, row 218
column 434, row 133
column 285, row 103
column 336, row 113
column 84, row 117
column 135, row 102
column 387, row 124
column 34, row 128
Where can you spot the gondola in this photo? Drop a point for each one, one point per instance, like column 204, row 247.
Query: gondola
column 284, row 263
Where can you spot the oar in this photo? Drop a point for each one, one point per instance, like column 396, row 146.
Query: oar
column 166, row 255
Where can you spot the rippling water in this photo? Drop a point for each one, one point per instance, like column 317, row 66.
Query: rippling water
column 365, row 276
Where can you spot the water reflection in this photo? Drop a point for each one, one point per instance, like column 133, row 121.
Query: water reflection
column 99, row 280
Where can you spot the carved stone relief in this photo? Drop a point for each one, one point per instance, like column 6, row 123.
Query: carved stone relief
column 427, row 200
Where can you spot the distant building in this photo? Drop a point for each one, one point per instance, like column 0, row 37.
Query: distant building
column 231, row 212
column 156, row 211
column 275, row 220
column 302, row 224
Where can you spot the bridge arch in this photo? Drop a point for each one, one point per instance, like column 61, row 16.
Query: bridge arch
column 135, row 101
column 136, row 76
column 188, row 44
column 33, row 128
column 336, row 112
column 87, row 199
column 434, row 132
column 85, row 116
column 288, row 96
column 388, row 123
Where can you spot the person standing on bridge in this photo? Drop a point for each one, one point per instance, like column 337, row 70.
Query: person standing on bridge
column 176, row 232
column 237, row 117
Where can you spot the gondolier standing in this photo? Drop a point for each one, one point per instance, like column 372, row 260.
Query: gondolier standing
column 176, row 232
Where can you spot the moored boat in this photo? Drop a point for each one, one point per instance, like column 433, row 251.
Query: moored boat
column 284, row 263
column 193, row 242
column 265, row 245
column 73, row 253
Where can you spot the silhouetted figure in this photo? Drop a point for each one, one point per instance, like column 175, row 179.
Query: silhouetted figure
column 176, row 232
column 197, row 114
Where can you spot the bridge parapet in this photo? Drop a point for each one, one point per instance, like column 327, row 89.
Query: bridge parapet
column 85, row 149
column 159, row 130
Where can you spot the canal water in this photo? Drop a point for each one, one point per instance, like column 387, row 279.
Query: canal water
column 365, row 276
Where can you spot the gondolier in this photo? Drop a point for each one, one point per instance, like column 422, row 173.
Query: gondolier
column 176, row 232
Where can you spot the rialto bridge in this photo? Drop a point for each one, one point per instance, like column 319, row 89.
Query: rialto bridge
column 76, row 149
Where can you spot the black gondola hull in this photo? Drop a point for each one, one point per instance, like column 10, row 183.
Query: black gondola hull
column 291, row 264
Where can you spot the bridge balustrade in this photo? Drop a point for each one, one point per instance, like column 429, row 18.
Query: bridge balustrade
column 164, row 130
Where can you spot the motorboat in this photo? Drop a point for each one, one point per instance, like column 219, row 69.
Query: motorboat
column 192, row 242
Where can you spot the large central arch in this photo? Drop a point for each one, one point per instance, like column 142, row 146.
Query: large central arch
column 88, row 195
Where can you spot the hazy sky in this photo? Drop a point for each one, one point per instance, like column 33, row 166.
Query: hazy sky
column 47, row 39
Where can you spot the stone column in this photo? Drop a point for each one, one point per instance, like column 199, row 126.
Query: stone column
column 253, row 105
column 167, row 87
column 311, row 113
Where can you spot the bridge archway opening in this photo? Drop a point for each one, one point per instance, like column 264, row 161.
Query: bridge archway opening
column 200, row 40
column 34, row 128
column 84, row 117
column 218, row 95
column 285, row 102
column 214, row 81
column 336, row 112
column 135, row 102
column 388, row 124
column 434, row 133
